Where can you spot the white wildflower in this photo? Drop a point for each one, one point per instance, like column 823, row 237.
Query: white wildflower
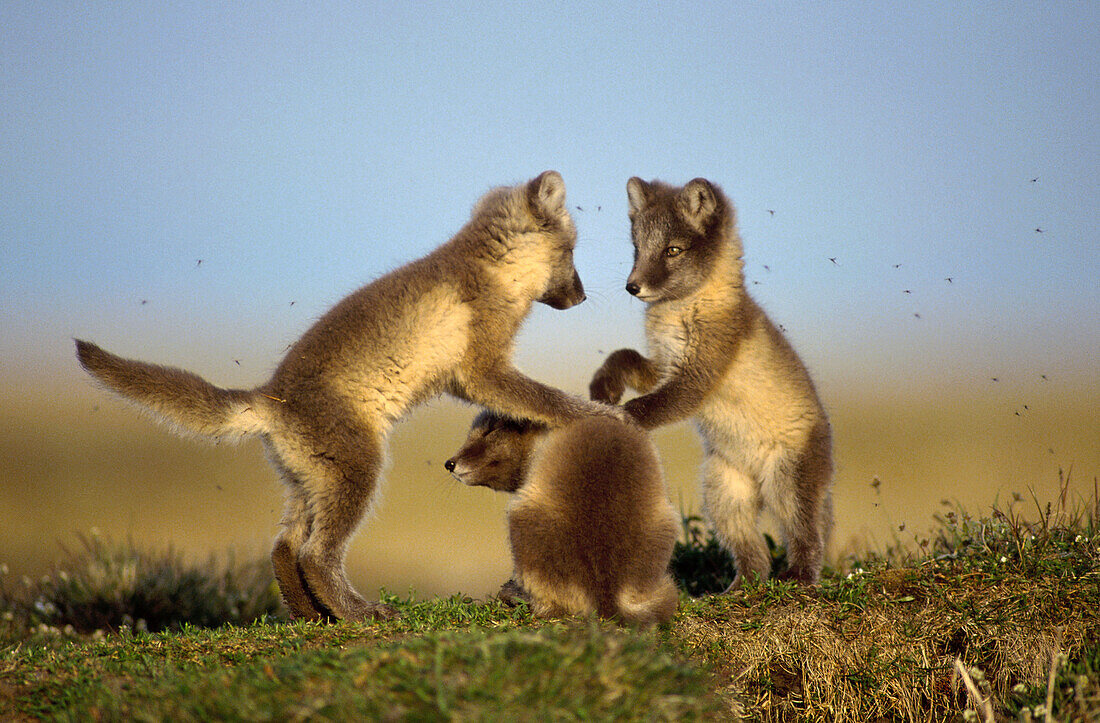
column 45, row 607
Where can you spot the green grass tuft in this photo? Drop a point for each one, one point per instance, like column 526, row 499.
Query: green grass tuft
column 701, row 566
column 582, row 670
column 106, row 585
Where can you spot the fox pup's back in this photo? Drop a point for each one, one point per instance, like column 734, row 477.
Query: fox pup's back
column 590, row 526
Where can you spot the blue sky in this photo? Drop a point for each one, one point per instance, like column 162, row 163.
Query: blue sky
column 301, row 150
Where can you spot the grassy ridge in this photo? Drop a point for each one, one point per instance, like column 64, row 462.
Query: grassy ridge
column 996, row 616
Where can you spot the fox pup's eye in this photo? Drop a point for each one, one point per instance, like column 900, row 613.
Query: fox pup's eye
column 673, row 251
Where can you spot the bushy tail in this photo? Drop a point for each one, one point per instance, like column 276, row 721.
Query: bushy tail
column 656, row 604
column 179, row 398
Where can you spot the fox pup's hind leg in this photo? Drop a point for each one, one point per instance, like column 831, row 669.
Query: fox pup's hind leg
column 807, row 535
column 331, row 489
column 339, row 496
column 732, row 503
column 806, row 512
column 284, row 556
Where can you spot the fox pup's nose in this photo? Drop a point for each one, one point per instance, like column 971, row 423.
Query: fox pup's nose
column 450, row 465
column 633, row 289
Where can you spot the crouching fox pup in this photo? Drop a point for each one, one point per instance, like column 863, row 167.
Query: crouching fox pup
column 716, row 357
column 590, row 525
column 444, row 323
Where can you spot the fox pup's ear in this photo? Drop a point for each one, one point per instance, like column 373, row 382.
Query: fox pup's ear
column 546, row 194
column 637, row 194
column 698, row 203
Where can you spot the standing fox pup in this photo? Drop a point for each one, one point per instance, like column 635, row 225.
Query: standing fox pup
column 590, row 526
column 444, row 323
column 716, row 357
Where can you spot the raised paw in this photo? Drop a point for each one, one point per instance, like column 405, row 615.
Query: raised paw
column 606, row 388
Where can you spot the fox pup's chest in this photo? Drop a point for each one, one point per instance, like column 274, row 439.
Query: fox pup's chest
column 667, row 336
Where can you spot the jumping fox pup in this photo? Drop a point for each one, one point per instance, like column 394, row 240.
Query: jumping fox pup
column 590, row 525
column 444, row 323
column 716, row 357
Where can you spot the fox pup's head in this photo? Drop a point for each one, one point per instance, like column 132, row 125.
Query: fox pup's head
column 678, row 233
column 545, row 197
column 528, row 235
column 496, row 452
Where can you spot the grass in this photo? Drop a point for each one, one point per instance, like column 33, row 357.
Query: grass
column 988, row 617
column 107, row 585
column 699, row 564
column 351, row 672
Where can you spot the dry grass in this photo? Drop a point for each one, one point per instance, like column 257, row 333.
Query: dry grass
column 882, row 655
column 1004, row 598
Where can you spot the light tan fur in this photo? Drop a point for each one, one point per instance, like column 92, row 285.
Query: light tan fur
column 444, row 323
column 590, row 525
column 717, row 358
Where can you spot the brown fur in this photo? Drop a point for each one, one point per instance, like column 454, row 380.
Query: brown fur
column 716, row 357
column 590, row 526
column 444, row 323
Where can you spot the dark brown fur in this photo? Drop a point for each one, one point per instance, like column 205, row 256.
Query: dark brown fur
column 590, row 526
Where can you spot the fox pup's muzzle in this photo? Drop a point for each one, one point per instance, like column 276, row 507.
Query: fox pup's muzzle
column 566, row 295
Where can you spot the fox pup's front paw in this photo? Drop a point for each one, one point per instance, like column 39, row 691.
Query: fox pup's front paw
column 605, row 387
